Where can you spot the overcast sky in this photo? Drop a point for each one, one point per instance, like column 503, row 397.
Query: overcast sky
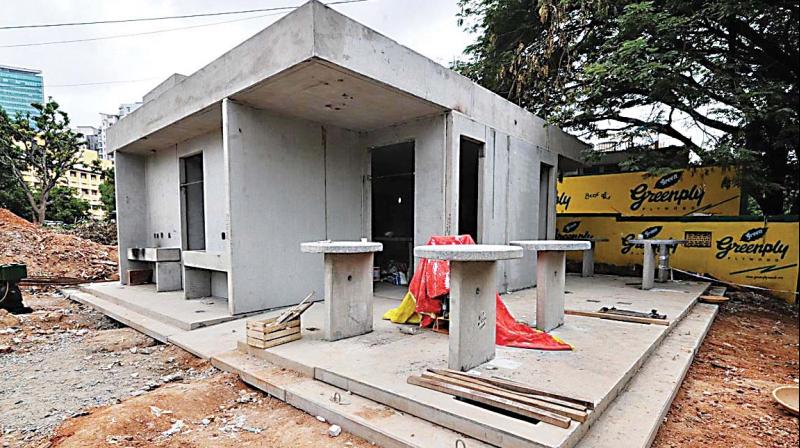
column 427, row 26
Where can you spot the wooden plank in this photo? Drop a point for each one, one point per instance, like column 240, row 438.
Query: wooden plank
column 273, row 343
column 140, row 276
column 490, row 382
column 525, row 389
column 492, row 400
column 272, row 326
column 272, row 335
column 496, row 391
column 618, row 317
column 287, row 315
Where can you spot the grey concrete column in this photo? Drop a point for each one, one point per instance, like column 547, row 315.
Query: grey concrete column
column 587, row 269
column 648, row 267
column 551, row 280
column 348, row 295
column 472, row 314
column 167, row 276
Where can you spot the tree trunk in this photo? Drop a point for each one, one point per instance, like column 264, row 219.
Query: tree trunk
column 41, row 213
column 775, row 159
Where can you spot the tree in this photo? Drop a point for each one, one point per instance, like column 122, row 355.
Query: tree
column 719, row 77
column 66, row 206
column 108, row 197
column 42, row 146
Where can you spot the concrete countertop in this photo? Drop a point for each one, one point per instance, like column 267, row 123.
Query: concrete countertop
column 468, row 252
column 154, row 254
column 340, row 247
column 552, row 245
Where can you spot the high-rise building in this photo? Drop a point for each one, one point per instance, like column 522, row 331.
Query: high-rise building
column 91, row 138
column 108, row 120
column 19, row 87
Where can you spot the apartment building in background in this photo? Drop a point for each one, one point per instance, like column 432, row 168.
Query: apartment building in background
column 85, row 180
column 19, row 87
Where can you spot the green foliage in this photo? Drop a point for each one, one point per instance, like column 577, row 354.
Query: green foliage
column 108, row 196
column 43, row 146
column 720, row 77
column 65, row 205
column 11, row 195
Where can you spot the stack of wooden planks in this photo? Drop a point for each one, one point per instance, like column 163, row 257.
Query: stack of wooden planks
column 510, row 396
column 279, row 330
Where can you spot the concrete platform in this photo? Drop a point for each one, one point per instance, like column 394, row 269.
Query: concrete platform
column 631, row 388
column 168, row 307
column 376, row 365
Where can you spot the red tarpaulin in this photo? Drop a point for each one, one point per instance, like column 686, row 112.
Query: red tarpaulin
column 432, row 281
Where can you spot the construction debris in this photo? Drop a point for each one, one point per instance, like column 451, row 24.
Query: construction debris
column 50, row 254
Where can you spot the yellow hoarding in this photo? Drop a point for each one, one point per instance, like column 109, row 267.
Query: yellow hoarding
column 703, row 190
column 737, row 250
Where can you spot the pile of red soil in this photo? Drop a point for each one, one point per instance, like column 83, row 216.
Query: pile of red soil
column 50, row 254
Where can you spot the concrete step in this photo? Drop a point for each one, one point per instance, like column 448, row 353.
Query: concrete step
column 365, row 418
column 633, row 419
column 154, row 328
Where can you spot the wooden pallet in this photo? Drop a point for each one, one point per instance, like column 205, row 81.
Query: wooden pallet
column 269, row 333
column 279, row 330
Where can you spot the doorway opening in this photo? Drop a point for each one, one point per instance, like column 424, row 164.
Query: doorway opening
column 470, row 153
column 392, row 179
column 545, row 172
column 192, row 208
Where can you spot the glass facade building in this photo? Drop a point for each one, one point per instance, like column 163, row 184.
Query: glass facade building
column 19, row 87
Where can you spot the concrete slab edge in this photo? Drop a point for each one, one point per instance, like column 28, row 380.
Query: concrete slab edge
column 314, row 397
column 132, row 319
column 137, row 309
column 680, row 347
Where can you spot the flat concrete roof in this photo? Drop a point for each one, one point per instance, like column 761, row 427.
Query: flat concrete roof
column 293, row 67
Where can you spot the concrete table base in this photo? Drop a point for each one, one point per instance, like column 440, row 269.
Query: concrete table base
column 348, row 286
column 551, row 271
column 473, row 311
column 550, row 284
column 167, row 274
column 649, row 262
column 348, row 295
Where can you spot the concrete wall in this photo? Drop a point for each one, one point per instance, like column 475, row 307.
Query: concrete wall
column 280, row 175
column 163, row 199
column 508, row 192
column 214, row 182
column 131, row 207
column 429, row 136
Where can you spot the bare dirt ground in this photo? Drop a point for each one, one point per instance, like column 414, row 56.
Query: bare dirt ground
column 726, row 399
column 73, row 378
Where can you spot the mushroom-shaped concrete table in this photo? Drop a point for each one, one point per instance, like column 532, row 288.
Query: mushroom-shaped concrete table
column 648, row 269
column 550, row 278
column 473, row 309
column 348, row 285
